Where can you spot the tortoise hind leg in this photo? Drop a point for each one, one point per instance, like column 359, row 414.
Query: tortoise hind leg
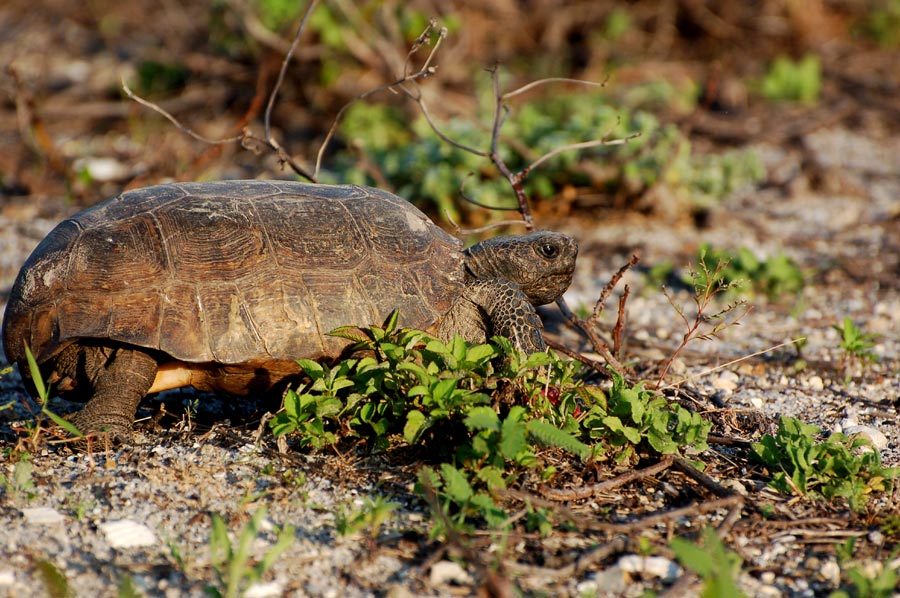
column 115, row 378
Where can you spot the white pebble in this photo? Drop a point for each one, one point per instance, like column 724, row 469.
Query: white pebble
column 725, row 383
column 104, row 170
column 610, row 581
column 271, row 589
column 831, row 572
column 447, row 572
column 43, row 516
column 7, row 578
column 652, row 566
column 125, row 533
column 875, row 437
column 815, row 383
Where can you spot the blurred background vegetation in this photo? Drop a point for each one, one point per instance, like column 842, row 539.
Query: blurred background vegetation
column 706, row 84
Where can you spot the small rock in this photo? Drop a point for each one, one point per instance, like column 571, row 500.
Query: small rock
column 875, row 437
column 650, row 566
column 104, row 169
column 127, row 534
column 43, row 516
column 447, row 572
column 831, row 572
column 726, row 383
column 270, row 589
column 815, row 383
column 876, row 538
column 736, row 486
column 609, row 581
column 7, row 577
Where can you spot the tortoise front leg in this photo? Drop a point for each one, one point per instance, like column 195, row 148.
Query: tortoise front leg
column 490, row 307
column 117, row 378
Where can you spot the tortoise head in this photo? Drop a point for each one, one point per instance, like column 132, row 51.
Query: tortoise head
column 541, row 263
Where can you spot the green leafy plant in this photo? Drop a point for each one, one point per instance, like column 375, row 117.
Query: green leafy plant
column 632, row 416
column 713, row 562
column 35, row 428
column 708, row 282
column 777, row 276
column 19, row 485
column 790, row 81
column 877, row 581
column 830, row 468
column 233, row 563
column 660, row 155
column 55, row 582
column 856, row 344
column 412, row 387
column 881, row 23
column 368, row 518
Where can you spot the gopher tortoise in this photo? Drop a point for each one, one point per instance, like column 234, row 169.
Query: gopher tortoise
column 222, row 286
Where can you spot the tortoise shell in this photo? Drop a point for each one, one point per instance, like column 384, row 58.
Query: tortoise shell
column 233, row 272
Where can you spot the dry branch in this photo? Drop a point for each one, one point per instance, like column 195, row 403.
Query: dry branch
column 606, row 485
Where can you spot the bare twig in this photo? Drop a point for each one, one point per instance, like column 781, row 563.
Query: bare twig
column 606, row 485
column 706, row 287
column 501, row 111
column 685, row 467
column 457, row 230
column 631, row 527
column 608, row 288
column 284, row 66
column 599, row 345
column 583, row 562
column 620, row 322
column 589, row 327
column 539, row 82
column 184, row 129
column 576, row 146
column 247, row 139
column 426, row 71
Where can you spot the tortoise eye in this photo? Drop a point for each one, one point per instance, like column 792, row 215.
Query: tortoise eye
column 548, row 250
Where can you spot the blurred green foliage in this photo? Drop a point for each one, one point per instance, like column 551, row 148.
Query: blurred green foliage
column 777, row 276
column 792, row 81
column 156, row 79
column 420, row 165
column 278, row 15
column 882, row 23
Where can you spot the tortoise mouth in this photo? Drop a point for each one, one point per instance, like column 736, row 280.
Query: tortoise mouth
column 549, row 288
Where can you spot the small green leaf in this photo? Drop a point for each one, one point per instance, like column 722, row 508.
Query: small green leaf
column 479, row 353
column 415, row 425
column 455, row 483
column 351, row 333
column 313, row 369
column 492, row 476
column 512, row 438
column 553, row 436
column 482, row 418
column 443, row 389
column 64, row 424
